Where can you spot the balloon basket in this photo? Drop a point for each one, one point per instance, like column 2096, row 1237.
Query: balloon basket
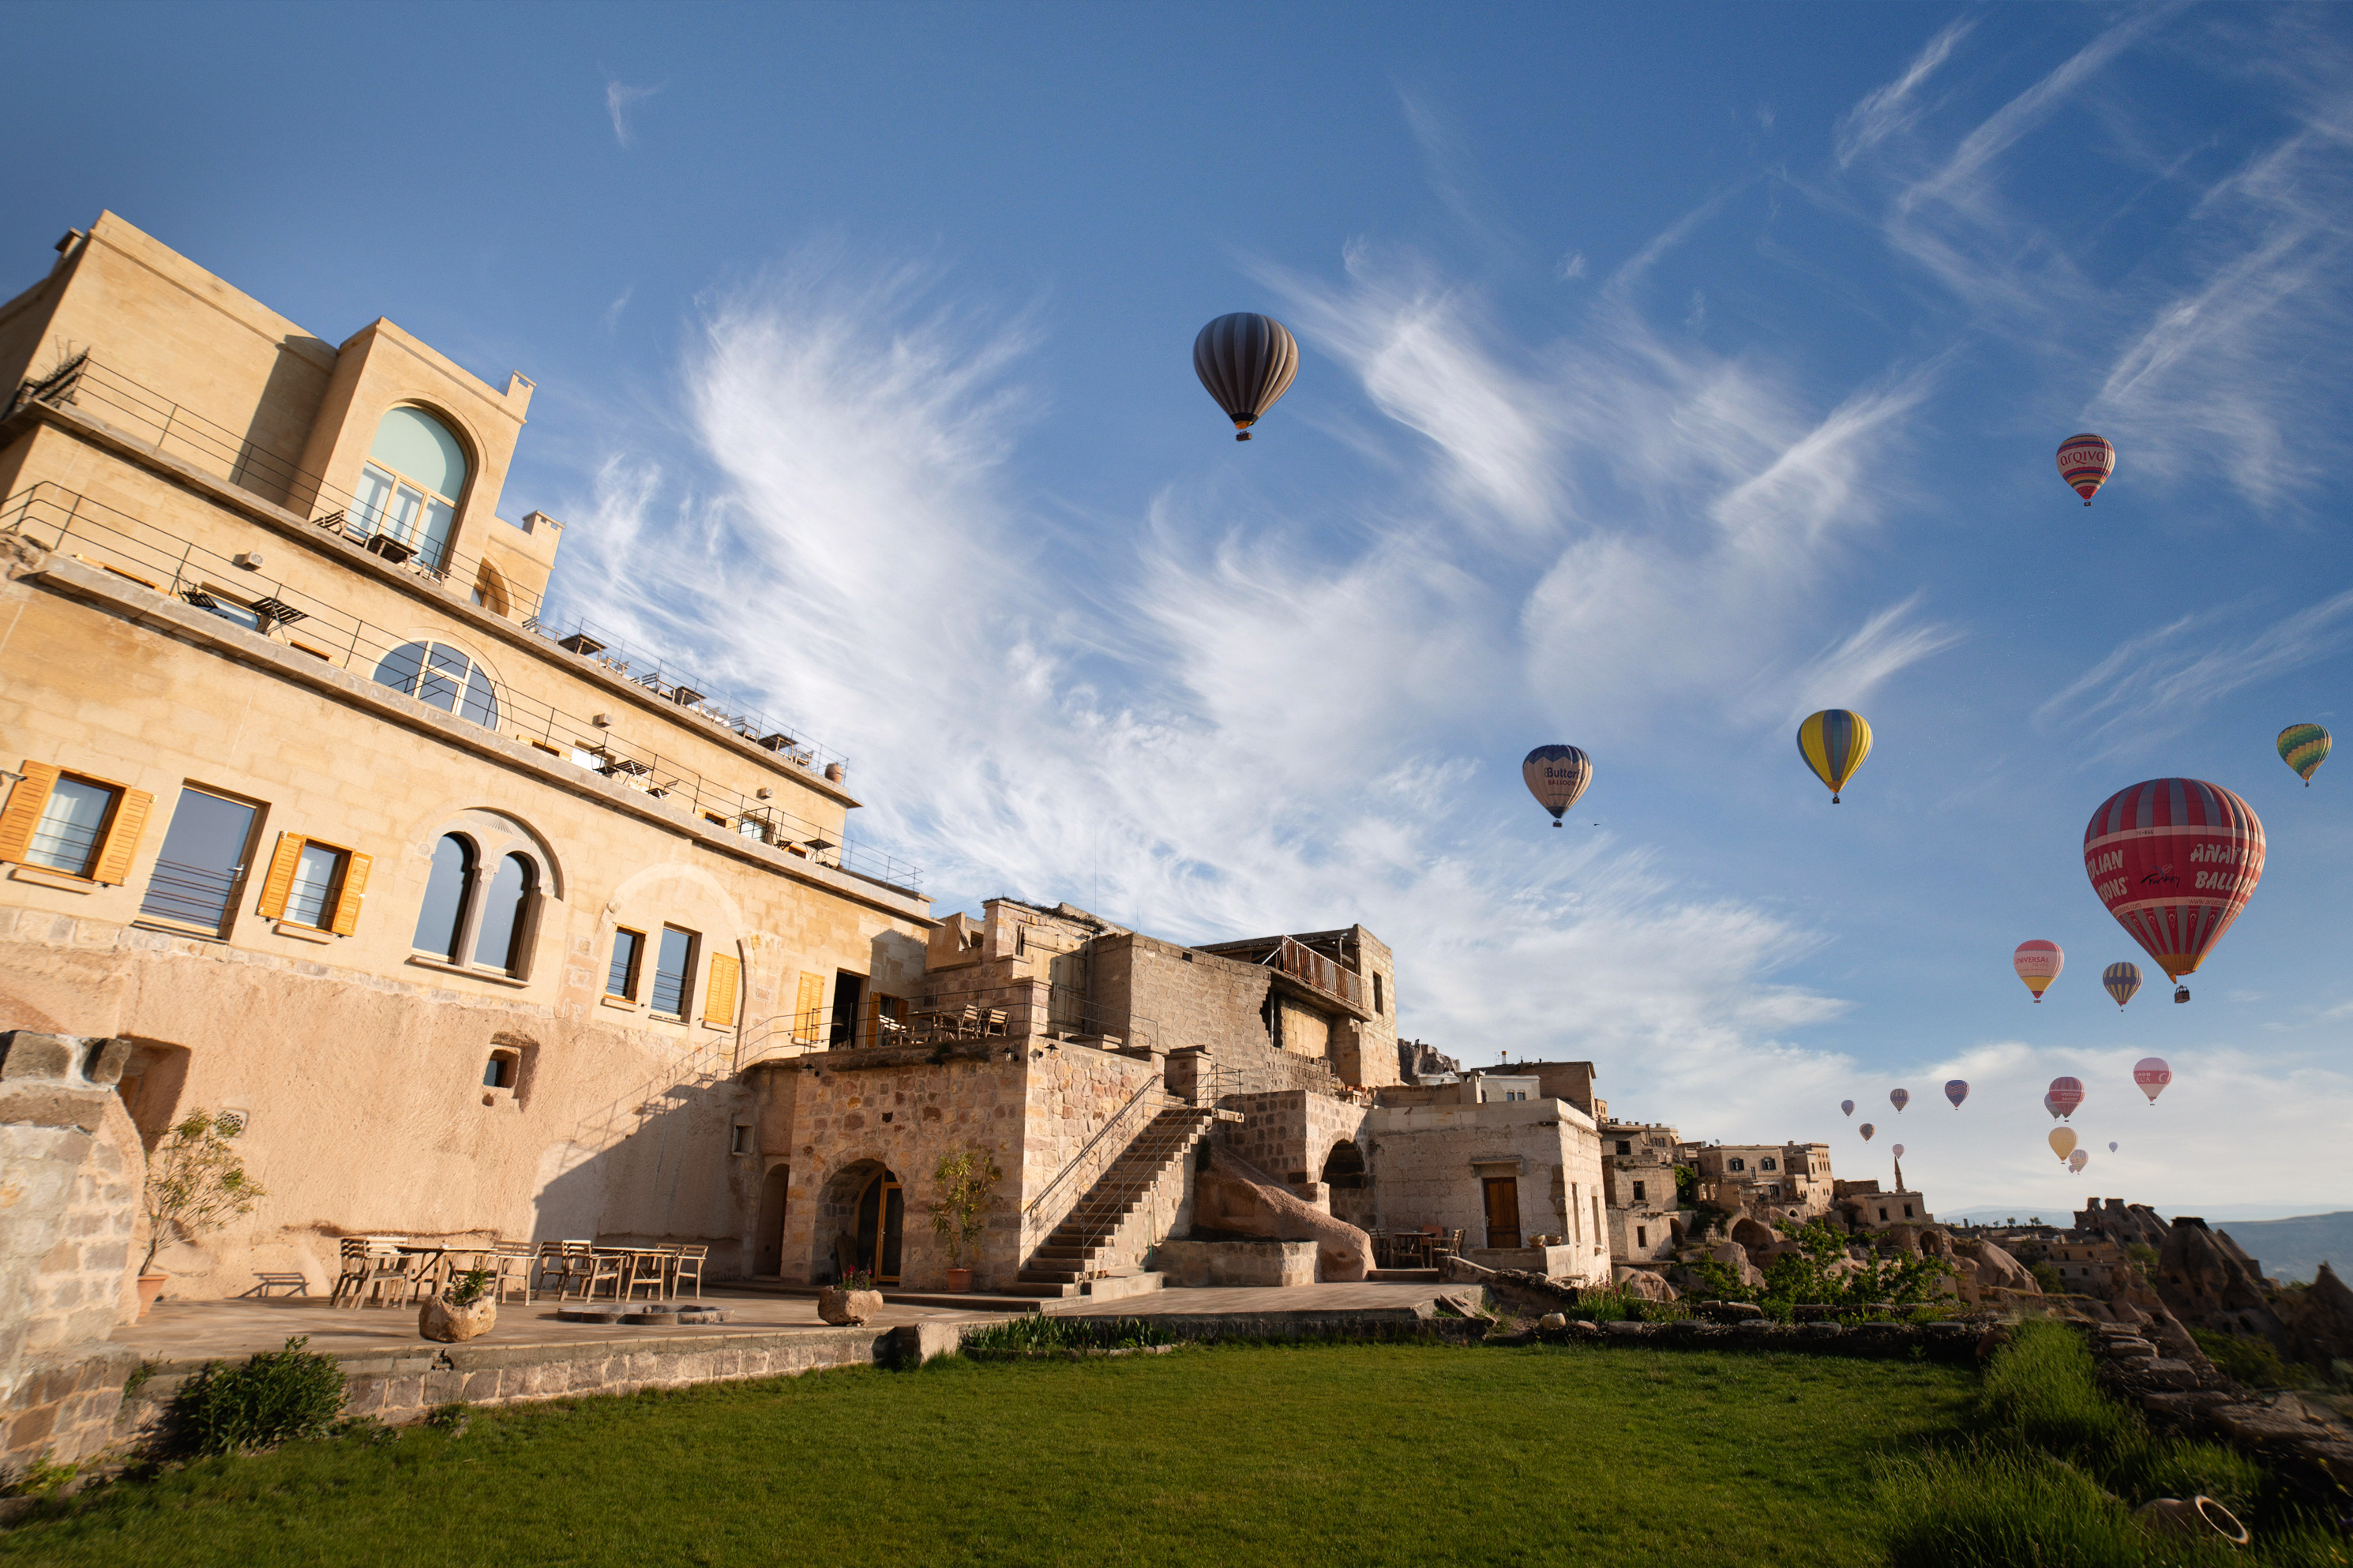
column 2181, row 994
column 1241, row 435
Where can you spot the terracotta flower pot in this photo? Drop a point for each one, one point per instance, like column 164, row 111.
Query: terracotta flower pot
column 847, row 1308
column 438, row 1320
column 959, row 1281
column 150, row 1286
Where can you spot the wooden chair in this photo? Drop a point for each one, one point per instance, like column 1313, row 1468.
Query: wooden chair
column 353, row 1279
column 689, row 1266
column 996, row 1024
column 512, row 1264
column 649, row 1270
column 601, row 1268
column 388, row 1281
column 967, row 1022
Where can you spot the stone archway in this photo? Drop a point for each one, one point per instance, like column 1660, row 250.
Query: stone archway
column 1349, row 1183
column 862, row 1222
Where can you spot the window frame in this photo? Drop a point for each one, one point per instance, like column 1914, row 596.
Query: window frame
column 637, row 965
column 113, row 849
column 686, row 992
column 347, row 893
column 239, row 878
column 461, row 701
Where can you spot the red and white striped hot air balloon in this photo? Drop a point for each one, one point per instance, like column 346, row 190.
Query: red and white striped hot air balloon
column 2086, row 462
column 2152, row 1075
column 2066, row 1094
column 2175, row 860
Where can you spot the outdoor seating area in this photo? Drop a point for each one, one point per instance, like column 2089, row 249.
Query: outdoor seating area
column 1426, row 1248
column 943, row 1025
column 400, row 1271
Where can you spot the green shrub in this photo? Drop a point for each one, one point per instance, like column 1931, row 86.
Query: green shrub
column 2251, row 1358
column 276, row 1397
column 1042, row 1332
column 1997, row 1508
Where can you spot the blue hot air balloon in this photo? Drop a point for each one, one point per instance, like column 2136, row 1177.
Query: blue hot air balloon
column 2122, row 979
column 1957, row 1091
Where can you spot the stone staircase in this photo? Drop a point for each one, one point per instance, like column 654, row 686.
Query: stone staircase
column 1065, row 1261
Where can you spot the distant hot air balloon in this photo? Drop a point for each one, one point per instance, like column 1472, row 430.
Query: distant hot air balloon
column 2086, row 462
column 2077, row 1161
column 2123, row 980
column 2174, row 861
column 2038, row 963
column 2066, row 1094
column 2112, row 1148
column 1899, row 1150
column 1957, row 1091
column 1834, row 742
column 1246, row 361
column 1557, row 776
column 2304, row 747
column 1847, row 1107
column 2050, row 1106
column 1899, row 1099
column 1867, row 1130
column 2152, row 1075
column 2063, row 1141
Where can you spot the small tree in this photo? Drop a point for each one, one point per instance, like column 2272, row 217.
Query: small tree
column 961, row 1210
column 195, row 1183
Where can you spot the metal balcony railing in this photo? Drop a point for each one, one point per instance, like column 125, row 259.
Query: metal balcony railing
column 155, row 559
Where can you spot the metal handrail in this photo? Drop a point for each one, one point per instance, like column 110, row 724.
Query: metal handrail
column 1149, row 1085
column 168, row 563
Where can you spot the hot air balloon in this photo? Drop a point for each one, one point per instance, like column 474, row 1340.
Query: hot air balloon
column 2174, row 861
column 2086, row 462
column 1834, row 742
column 2304, row 747
column 2051, row 1108
column 2077, row 1161
column 1899, row 1099
column 2112, row 1148
column 1957, row 1091
column 1246, row 361
column 2038, row 963
column 1557, row 776
column 2063, row 1141
column 1847, row 1107
column 2122, row 979
column 1899, row 1150
column 2152, row 1075
column 2066, row 1094
column 1867, row 1130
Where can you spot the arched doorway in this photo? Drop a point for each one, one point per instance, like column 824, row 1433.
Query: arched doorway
column 768, row 1241
column 882, row 1222
column 1346, row 1178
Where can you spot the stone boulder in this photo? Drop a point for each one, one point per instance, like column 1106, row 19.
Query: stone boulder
column 2319, row 1318
column 1644, row 1284
column 1233, row 1196
column 847, row 1309
column 1515, row 1290
column 1735, row 1256
column 1753, row 1236
column 1997, row 1270
column 439, row 1320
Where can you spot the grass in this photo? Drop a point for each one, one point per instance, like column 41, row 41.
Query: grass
column 1260, row 1455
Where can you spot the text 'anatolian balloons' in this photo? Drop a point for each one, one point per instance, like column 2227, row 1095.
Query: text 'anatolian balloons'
column 2152, row 1075
column 2175, row 861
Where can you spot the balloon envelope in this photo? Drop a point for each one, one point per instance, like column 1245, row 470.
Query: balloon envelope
column 1899, row 1150
column 2038, row 963
column 2112, row 1148
column 1847, row 1106
column 2174, row 861
column 2078, row 1160
column 2047, row 1106
column 1834, row 742
column 1557, row 776
column 2086, row 462
column 2063, row 1141
column 2066, row 1094
column 1957, row 1091
column 2152, row 1075
column 1867, row 1130
column 1899, row 1098
column 2304, row 747
column 1246, row 361
column 2122, row 981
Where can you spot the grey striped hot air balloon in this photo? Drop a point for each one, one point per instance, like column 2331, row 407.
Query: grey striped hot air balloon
column 1246, row 361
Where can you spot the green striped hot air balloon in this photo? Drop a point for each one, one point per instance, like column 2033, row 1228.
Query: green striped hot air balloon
column 2304, row 747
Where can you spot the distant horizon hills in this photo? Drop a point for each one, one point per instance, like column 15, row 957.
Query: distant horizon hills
column 2291, row 1248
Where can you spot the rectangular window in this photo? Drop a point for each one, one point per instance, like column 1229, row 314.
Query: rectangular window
column 741, row 1144
column 316, row 885
column 195, row 877
column 1377, row 1008
column 317, row 876
column 1639, row 1195
column 1625, row 1146
column 66, row 839
column 1641, row 1236
column 621, row 979
column 674, row 972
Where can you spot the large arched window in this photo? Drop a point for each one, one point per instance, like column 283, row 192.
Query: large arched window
column 506, row 910
column 410, row 485
column 438, row 674
column 443, row 913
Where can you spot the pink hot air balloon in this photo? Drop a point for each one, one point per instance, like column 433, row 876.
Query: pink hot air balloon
column 2152, row 1075
column 1867, row 1130
column 1957, row 1091
column 2077, row 1161
column 2038, row 963
column 1899, row 1150
column 2066, row 1094
column 1847, row 1106
column 1899, row 1099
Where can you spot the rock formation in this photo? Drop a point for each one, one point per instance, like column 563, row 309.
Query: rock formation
column 2319, row 1318
column 1232, row 1195
column 1415, row 1059
column 2209, row 1282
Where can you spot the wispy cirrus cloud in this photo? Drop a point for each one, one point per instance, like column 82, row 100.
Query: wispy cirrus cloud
column 619, row 98
column 1897, row 107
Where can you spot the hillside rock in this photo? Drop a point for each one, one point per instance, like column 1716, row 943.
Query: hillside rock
column 2206, row 1279
column 1232, row 1194
column 1643, row 1283
column 1735, row 1256
column 1997, row 1270
column 2319, row 1318
column 1753, row 1236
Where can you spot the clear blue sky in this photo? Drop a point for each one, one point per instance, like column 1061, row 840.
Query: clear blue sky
column 1668, row 371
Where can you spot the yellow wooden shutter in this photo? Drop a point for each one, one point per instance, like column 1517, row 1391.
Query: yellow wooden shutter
column 279, row 882
column 719, row 995
column 808, row 1004
column 870, row 1031
column 347, row 903
column 26, row 802
column 122, row 835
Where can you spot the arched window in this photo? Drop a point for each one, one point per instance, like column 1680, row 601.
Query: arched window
column 506, row 910
column 438, row 674
column 410, row 485
column 443, row 913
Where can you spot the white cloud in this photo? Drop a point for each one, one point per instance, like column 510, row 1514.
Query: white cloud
column 1571, row 267
column 619, row 97
column 1887, row 110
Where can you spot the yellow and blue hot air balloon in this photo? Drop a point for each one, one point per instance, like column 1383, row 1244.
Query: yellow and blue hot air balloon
column 1834, row 742
column 2304, row 747
column 2122, row 981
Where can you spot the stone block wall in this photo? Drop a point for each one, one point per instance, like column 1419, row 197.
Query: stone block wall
column 71, row 1172
column 1429, row 1164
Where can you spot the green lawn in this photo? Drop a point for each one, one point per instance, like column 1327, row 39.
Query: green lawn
column 1237, row 1456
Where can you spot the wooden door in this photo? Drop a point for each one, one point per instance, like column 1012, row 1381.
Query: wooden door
column 1502, row 1194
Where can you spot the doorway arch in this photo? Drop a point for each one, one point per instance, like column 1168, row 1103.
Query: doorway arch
column 861, row 1221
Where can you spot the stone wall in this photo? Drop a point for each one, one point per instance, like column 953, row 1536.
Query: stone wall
column 71, row 1171
column 1429, row 1164
column 1193, row 998
column 1197, row 1265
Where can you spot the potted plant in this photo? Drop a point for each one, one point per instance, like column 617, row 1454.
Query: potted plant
column 462, row 1309
column 851, row 1301
column 960, row 1213
column 195, row 1184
